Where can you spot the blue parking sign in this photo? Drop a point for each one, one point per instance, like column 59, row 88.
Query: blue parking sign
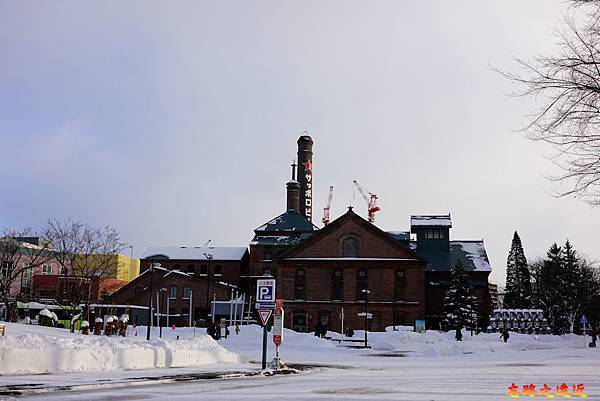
column 265, row 291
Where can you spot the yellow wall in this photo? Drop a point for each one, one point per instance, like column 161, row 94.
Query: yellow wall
column 126, row 268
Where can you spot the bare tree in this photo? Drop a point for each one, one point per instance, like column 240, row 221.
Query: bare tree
column 86, row 255
column 568, row 85
column 18, row 257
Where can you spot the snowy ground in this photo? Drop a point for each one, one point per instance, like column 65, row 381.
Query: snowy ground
column 400, row 366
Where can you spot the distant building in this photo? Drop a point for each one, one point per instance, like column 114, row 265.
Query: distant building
column 494, row 301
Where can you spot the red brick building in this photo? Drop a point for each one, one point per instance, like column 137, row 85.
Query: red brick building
column 187, row 274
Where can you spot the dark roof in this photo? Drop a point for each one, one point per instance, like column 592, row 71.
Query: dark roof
column 472, row 255
column 281, row 240
column 291, row 221
column 403, row 236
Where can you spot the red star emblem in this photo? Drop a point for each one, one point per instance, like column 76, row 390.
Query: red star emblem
column 308, row 166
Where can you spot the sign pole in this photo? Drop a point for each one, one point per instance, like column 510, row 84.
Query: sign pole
column 342, row 318
column 264, row 347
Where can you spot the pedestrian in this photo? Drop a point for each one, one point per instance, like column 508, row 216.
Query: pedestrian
column 210, row 329
column 594, row 337
column 237, row 329
column 323, row 331
column 349, row 332
column 318, row 330
column 458, row 335
column 505, row 336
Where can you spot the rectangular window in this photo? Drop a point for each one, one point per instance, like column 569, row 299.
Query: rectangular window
column 338, row 286
column 186, row 292
column 47, row 269
column 203, row 270
column 435, row 233
column 26, row 278
column 173, row 292
column 218, row 270
column 5, row 268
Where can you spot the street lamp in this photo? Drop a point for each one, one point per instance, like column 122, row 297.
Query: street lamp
column 366, row 292
column 208, row 257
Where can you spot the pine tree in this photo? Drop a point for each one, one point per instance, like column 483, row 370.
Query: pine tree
column 459, row 301
column 517, row 294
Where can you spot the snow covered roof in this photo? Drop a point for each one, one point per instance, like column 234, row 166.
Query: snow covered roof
column 290, row 221
column 195, row 252
column 474, row 251
column 471, row 254
column 283, row 240
column 431, row 220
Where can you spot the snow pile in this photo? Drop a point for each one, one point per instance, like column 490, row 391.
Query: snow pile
column 436, row 344
column 35, row 349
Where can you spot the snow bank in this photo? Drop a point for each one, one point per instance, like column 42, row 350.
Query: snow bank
column 35, row 349
column 436, row 344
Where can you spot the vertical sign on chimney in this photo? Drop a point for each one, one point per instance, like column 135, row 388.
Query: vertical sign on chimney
column 305, row 175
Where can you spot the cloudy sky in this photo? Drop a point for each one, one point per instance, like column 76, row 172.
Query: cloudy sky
column 176, row 122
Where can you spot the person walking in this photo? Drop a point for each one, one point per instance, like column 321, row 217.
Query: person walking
column 505, row 336
column 458, row 335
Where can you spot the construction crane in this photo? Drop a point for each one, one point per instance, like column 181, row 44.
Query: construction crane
column 371, row 202
column 325, row 218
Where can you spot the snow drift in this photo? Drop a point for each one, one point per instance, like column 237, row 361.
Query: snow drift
column 35, row 349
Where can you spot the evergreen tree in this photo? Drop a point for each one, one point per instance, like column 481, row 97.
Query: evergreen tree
column 459, row 301
column 517, row 294
column 565, row 285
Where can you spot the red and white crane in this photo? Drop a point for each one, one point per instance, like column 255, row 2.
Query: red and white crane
column 371, row 202
column 325, row 218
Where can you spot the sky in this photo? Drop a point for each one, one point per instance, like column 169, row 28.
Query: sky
column 176, row 122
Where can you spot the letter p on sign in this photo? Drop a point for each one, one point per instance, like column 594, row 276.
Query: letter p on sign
column 265, row 291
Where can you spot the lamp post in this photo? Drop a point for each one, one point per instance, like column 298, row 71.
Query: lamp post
column 150, row 293
column 208, row 257
column 130, row 262
column 366, row 292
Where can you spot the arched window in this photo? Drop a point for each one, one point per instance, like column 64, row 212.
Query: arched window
column 350, row 247
column 399, row 285
column 190, row 269
column 203, row 270
column 299, row 285
column 337, row 293
column 361, row 284
column 218, row 270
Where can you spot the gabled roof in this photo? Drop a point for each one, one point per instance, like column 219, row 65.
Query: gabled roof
column 334, row 225
column 431, row 220
column 291, row 221
column 195, row 252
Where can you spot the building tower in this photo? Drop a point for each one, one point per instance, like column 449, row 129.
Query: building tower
column 305, row 175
